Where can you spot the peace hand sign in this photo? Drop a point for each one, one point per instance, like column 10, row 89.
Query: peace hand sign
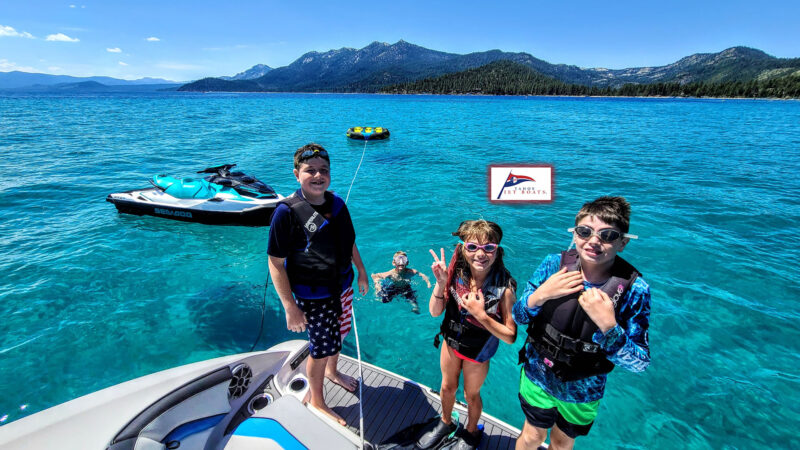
column 439, row 267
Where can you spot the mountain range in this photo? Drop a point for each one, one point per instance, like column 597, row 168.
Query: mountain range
column 511, row 78
column 381, row 64
column 93, row 87
column 16, row 80
column 257, row 71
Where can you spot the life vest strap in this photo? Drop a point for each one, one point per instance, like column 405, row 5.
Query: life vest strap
column 454, row 344
column 455, row 326
column 567, row 343
column 451, row 342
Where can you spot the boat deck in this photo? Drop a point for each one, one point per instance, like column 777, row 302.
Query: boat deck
column 392, row 403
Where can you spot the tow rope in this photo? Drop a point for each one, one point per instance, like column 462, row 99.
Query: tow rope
column 355, row 328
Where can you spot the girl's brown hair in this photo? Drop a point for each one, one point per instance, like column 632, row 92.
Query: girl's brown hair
column 482, row 230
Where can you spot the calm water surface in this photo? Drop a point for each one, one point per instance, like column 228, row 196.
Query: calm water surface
column 90, row 298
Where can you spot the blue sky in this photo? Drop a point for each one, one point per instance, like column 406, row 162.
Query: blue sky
column 181, row 40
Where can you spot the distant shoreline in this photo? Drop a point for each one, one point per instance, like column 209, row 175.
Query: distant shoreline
column 18, row 91
column 497, row 95
column 603, row 96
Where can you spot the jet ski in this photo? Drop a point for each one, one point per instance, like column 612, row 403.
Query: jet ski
column 221, row 198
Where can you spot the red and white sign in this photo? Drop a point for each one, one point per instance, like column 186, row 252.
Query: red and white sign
column 520, row 183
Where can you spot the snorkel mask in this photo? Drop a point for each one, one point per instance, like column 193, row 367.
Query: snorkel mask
column 401, row 260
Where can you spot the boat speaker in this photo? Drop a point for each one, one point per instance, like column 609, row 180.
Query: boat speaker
column 298, row 384
column 240, row 381
column 259, row 402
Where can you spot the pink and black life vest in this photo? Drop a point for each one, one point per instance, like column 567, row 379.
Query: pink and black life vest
column 461, row 331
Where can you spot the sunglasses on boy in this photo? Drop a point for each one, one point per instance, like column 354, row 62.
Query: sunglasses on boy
column 607, row 235
column 315, row 152
column 473, row 247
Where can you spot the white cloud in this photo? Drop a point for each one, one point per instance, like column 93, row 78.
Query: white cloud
column 71, row 6
column 114, row 50
column 55, row 69
column 153, row 39
column 122, row 63
column 61, row 37
column 8, row 66
column 6, row 31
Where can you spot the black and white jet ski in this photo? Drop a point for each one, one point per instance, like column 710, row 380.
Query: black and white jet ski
column 221, row 198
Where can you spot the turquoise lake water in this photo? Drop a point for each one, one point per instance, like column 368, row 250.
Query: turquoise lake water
column 90, row 298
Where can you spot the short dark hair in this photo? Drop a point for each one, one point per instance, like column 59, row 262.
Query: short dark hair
column 310, row 147
column 614, row 211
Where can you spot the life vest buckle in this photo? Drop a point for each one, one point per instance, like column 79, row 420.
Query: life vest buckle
column 590, row 348
column 550, row 350
column 454, row 344
column 456, row 327
column 559, row 339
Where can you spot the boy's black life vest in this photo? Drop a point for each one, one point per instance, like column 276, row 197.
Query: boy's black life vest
column 464, row 335
column 318, row 265
column 561, row 333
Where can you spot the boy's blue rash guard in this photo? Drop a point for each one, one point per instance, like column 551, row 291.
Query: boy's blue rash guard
column 626, row 344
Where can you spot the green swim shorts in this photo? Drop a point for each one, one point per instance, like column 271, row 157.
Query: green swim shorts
column 542, row 410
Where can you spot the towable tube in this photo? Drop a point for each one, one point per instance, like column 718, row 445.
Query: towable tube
column 367, row 133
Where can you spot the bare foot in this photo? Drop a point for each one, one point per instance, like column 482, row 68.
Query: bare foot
column 325, row 409
column 345, row 381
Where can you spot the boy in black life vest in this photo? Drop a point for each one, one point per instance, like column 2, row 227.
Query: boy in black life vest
column 311, row 247
column 586, row 310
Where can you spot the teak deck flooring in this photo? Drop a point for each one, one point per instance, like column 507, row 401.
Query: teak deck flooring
column 392, row 404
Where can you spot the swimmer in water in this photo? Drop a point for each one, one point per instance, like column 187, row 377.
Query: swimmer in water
column 397, row 282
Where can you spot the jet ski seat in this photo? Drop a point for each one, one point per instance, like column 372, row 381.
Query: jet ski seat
column 186, row 188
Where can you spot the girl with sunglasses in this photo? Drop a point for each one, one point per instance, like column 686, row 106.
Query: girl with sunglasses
column 476, row 293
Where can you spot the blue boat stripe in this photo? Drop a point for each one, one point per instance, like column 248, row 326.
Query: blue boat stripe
column 190, row 428
column 268, row 429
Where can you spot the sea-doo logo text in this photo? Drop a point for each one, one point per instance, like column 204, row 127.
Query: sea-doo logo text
column 615, row 298
column 169, row 212
column 310, row 225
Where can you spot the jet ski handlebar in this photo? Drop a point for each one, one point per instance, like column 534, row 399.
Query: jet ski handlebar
column 160, row 188
column 218, row 169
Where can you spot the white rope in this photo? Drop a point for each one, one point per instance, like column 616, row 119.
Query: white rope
column 355, row 328
column 356, row 174
column 360, row 379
